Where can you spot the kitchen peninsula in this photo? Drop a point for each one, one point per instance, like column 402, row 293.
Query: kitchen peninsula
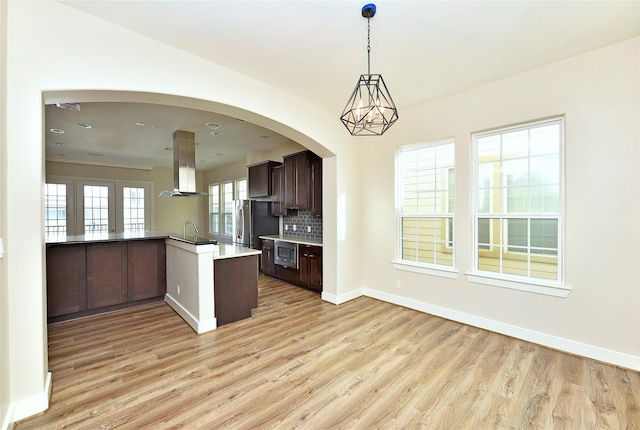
column 207, row 284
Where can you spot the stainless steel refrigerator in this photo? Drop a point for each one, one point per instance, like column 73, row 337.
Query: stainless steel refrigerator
column 252, row 219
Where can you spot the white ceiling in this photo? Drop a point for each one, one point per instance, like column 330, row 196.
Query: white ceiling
column 317, row 50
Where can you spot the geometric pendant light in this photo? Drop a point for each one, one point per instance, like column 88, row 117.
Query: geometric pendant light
column 370, row 110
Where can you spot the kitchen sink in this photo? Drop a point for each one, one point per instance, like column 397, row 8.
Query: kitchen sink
column 195, row 240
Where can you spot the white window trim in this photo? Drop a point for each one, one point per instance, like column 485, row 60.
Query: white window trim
column 415, row 266
column 534, row 285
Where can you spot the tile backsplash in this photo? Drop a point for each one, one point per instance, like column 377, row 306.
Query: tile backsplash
column 302, row 220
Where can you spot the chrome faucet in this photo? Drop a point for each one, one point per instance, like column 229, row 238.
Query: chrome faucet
column 184, row 228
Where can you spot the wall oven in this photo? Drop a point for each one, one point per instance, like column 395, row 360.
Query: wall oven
column 286, row 254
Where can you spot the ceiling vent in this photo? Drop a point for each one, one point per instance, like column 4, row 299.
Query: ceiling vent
column 70, row 106
column 212, row 125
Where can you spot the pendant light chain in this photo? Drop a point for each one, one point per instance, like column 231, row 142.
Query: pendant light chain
column 369, row 46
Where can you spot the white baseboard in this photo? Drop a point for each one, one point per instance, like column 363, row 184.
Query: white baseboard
column 573, row 347
column 197, row 325
column 30, row 406
column 343, row 298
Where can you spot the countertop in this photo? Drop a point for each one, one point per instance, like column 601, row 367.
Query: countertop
column 219, row 251
column 105, row 237
column 294, row 239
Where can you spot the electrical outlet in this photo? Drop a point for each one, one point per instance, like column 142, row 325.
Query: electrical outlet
column 178, row 289
column 308, row 229
column 398, row 283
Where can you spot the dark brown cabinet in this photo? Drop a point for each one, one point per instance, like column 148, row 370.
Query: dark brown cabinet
column 89, row 278
column 268, row 267
column 260, row 179
column 296, row 181
column 106, row 274
column 310, row 266
column 315, row 185
column 303, row 182
column 147, row 269
column 235, row 287
column 66, row 279
column 277, row 181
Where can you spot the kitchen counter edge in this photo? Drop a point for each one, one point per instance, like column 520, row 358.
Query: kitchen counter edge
column 104, row 237
column 293, row 239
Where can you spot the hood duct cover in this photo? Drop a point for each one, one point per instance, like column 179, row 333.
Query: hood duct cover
column 184, row 166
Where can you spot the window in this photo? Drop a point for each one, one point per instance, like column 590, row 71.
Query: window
column 55, row 209
column 518, row 201
column 227, row 204
column 133, row 208
column 214, row 209
column 426, row 199
column 241, row 189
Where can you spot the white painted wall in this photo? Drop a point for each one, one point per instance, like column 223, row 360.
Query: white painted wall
column 599, row 95
column 106, row 57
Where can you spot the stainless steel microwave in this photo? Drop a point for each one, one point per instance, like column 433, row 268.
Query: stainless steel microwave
column 286, row 254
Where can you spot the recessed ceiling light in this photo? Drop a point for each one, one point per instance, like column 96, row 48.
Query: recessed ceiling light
column 215, row 133
column 168, row 149
column 56, row 131
column 264, row 136
column 59, row 143
column 212, row 125
column 81, row 125
column 140, row 124
column 239, row 120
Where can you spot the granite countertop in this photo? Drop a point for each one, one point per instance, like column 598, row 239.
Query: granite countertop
column 294, row 239
column 105, row 237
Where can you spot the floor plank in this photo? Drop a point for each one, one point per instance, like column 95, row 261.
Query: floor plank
column 299, row 362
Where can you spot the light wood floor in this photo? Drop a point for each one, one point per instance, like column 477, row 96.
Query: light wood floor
column 303, row 363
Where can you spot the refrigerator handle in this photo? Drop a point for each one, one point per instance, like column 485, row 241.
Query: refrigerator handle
column 240, row 222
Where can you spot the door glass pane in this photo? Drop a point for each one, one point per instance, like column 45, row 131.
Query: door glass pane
column 133, row 208
column 96, row 204
column 55, row 209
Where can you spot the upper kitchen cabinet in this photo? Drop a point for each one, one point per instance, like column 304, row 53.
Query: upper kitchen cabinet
column 303, row 182
column 277, row 181
column 260, row 184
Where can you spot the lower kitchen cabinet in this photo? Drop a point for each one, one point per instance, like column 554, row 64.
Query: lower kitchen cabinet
column 268, row 267
column 310, row 266
column 66, row 279
column 106, row 274
column 147, row 269
column 89, row 278
column 235, row 284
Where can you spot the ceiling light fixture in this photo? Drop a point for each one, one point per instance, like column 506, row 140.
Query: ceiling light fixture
column 56, row 130
column 370, row 110
column 81, row 125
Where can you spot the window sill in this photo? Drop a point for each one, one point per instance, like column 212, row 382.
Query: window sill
column 407, row 266
column 540, row 287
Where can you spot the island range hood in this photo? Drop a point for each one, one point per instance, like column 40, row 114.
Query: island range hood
column 184, row 166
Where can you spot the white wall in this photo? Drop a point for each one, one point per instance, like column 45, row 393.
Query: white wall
column 107, row 58
column 599, row 95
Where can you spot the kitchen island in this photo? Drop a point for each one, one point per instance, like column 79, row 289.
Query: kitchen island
column 102, row 272
column 211, row 285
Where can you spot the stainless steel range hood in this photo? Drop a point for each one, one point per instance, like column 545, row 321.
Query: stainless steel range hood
column 184, row 166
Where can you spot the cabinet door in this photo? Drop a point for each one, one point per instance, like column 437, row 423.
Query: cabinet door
column 315, row 185
column 66, row 279
column 235, row 288
column 106, row 274
column 277, row 181
column 296, row 181
column 268, row 266
column 260, row 181
column 146, row 269
column 310, row 263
